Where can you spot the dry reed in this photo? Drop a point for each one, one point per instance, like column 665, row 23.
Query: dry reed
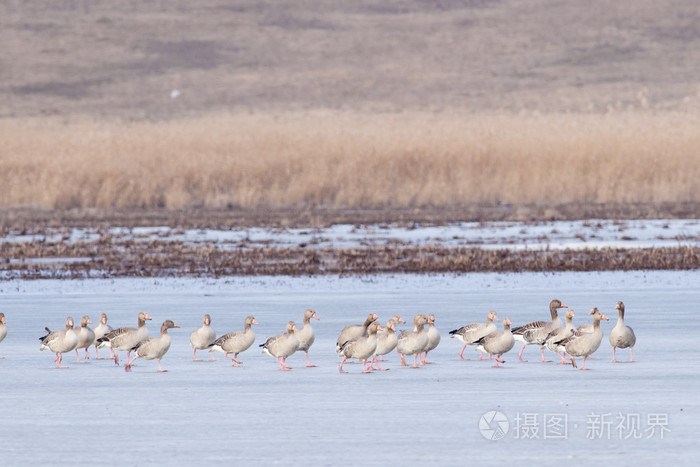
column 111, row 257
column 339, row 159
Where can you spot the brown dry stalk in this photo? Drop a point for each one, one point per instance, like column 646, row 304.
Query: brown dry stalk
column 351, row 160
column 160, row 258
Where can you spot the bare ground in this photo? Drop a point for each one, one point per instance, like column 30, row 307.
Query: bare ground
column 105, row 59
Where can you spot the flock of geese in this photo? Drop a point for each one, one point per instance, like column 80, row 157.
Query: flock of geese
column 367, row 342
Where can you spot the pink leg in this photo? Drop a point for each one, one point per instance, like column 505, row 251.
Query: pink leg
column 194, row 356
column 116, row 357
column 544, row 360
column 308, row 362
column 563, row 360
column 212, row 359
column 59, row 358
column 381, row 358
column 461, row 353
column 632, row 356
column 403, row 360
column 614, row 359
column 481, row 356
column 160, row 369
column 498, row 360
column 87, row 354
column 340, row 369
column 415, row 361
column 520, row 355
column 378, row 366
column 127, row 365
column 583, row 363
column 233, row 360
column 364, row 369
column 283, row 365
column 77, row 355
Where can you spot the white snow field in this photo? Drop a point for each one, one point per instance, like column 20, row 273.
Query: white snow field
column 200, row 413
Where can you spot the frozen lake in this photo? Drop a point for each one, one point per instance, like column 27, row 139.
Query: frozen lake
column 204, row 412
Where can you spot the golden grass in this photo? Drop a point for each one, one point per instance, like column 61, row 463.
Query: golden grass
column 340, row 159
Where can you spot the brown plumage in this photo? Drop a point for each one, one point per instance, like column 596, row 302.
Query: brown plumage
column 537, row 331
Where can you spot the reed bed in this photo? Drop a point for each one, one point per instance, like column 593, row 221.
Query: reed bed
column 352, row 160
column 107, row 258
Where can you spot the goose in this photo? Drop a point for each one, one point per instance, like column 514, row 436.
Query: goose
column 396, row 319
column 472, row 333
column 282, row 346
column 153, row 347
column 60, row 342
column 621, row 336
column 305, row 335
column 100, row 331
column 433, row 338
column 559, row 334
column 390, row 335
column 3, row 328
column 361, row 348
column 583, row 344
column 537, row 331
column 498, row 343
column 413, row 342
column 86, row 337
column 202, row 338
column 352, row 331
column 235, row 342
column 386, row 342
column 126, row 338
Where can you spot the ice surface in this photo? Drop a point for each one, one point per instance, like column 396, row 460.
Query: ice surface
column 206, row 412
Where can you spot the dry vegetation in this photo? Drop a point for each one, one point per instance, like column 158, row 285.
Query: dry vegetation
column 347, row 105
column 350, row 160
column 222, row 113
column 160, row 258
